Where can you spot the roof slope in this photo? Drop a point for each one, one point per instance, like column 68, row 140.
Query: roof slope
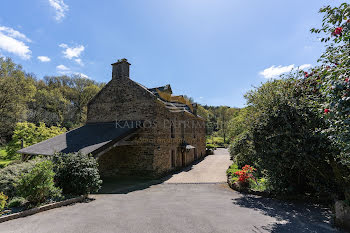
column 90, row 138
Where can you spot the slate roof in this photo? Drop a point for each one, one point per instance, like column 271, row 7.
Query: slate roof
column 172, row 106
column 90, row 138
column 166, row 88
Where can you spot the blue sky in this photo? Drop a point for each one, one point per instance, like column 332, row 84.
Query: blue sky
column 211, row 50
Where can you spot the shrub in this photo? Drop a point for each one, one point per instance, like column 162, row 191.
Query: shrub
column 246, row 174
column 210, row 146
column 232, row 169
column 10, row 175
column 242, row 150
column 38, row 185
column 3, row 199
column 284, row 141
column 294, row 155
column 77, row 173
column 17, row 202
column 259, row 185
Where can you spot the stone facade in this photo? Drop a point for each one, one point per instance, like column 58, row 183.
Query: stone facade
column 168, row 139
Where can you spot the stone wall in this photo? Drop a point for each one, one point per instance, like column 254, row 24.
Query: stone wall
column 193, row 134
column 127, row 160
column 121, row 99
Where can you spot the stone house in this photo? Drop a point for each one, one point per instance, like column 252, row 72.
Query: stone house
column 134, row 130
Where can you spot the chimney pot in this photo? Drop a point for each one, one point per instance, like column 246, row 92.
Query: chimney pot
column 120, row 69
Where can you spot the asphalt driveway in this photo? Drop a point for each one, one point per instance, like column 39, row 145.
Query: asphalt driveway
column 179, row 206
column 211, row 170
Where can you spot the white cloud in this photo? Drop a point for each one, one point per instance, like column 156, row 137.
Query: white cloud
column 60, row 7
column 305, row 66
column 276, row 71
column 13, row 33
column 62, row 69
column 12, row 41
column 82, row 75
column 44, row 58
column 71, row 52
column 79, row 61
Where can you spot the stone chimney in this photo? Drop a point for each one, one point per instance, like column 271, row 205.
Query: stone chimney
column 120, row 69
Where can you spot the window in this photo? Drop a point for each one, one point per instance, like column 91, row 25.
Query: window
column 173, row 158
column 183, row 130
column 172, row 130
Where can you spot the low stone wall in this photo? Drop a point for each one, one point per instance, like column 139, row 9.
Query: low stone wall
column 42, row 208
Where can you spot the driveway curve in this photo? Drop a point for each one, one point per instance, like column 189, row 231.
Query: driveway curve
column 191, row 201
column 211, row 170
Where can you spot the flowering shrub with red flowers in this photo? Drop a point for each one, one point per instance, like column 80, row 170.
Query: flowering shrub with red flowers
column 246, row 174
column 334, row 74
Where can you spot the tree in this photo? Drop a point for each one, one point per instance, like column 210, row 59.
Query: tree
column 48, row 106
column 27, row 134
column 16, row 89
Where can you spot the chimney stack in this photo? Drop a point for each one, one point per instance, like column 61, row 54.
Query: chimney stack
column 120, row 69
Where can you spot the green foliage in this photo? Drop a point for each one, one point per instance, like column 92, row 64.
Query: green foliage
column 77, row 173
column 232, row 169
column 5, row 162
column 210, row 146
column 216, row 141
column 10, row 175
column 3, row 152
column 55, row 100
column 284, row 141
column 217, row 119
column 239, row 124
column 38, row 185
column 69, row 108
column 16, row 88
column 3, row 201
column 3, row 158
column 29, row 134
column 333, row 76
column 292, row 153
column 242, row 150
column 260, row 185
column 17, row 202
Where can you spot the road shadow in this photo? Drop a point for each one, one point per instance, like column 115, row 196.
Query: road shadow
column 126, row 184
column 187, row 168
column 291, row 217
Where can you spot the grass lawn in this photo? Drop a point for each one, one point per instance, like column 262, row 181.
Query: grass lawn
column 215, row 140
